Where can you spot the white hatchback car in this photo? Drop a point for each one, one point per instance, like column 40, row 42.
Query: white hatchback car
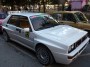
column 41, row 33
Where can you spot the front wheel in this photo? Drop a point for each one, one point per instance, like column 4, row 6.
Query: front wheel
column 44, row 55
column 5, row 36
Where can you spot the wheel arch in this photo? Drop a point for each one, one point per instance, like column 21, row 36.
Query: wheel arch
column 5, row 31
column 43, row 45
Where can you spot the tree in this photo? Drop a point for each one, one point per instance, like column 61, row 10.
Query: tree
column 59, row 2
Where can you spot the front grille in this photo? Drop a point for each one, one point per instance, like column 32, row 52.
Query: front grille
column 70, row 57
column 84, row 38
column 80, row 41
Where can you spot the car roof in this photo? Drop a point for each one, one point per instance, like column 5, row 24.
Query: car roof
column 28, row 14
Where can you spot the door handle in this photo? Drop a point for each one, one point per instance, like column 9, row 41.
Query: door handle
column 19, row 30
column 6, row 25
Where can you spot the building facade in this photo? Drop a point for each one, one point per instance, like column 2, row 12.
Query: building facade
column 78, row 4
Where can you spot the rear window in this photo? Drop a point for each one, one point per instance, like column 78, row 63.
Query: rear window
column 80, row 16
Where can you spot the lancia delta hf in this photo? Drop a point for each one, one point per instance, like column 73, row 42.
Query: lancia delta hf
column 51, row 41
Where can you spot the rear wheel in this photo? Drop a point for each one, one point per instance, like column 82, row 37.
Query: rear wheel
column 44, row 55
column 5, row 36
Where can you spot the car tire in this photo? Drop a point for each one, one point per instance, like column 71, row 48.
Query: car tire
column 44, row 55
column 5, row 36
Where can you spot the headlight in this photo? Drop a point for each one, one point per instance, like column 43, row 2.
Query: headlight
column 71, row 48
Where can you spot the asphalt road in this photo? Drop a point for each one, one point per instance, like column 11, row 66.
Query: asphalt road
column 14, row 55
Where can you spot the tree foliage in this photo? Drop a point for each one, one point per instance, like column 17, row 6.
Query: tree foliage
column 23, row 2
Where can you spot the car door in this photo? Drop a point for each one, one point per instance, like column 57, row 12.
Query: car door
column 25, row 34
column 85, row 26
column 11, row 27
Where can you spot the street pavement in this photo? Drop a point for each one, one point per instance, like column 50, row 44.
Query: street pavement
column 14, row 55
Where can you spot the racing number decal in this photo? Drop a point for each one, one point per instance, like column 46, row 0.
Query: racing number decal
column 27, row 34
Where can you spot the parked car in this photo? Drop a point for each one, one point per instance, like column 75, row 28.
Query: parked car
column 86, row 8
column 2, row 17
column 73, row 18
column 41, row 33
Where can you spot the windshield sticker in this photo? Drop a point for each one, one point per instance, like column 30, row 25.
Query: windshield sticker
column 33, row 17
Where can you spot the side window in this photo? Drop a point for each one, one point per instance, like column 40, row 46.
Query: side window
column 59, row 16
column 24, row 22
column 37, row 22
column 54, row 16
column 13, row 20
column 69, row 17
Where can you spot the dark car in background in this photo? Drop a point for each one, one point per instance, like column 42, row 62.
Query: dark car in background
column 86, row 11
column 86, row 8
column 73, row 18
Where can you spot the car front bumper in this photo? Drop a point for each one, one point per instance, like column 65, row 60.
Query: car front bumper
column 68, row 58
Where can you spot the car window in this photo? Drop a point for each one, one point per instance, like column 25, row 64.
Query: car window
column 68, row 17
column 57, row 16
column 80, row 16
column 24, row 22
column 42, row 22
column 37, row 22
column 13, row 20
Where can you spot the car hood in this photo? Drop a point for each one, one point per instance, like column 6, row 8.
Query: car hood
column 63, row 34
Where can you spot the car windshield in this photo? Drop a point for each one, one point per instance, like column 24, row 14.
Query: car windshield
column 43, row 22
column 80, row 17
column 2, row 16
